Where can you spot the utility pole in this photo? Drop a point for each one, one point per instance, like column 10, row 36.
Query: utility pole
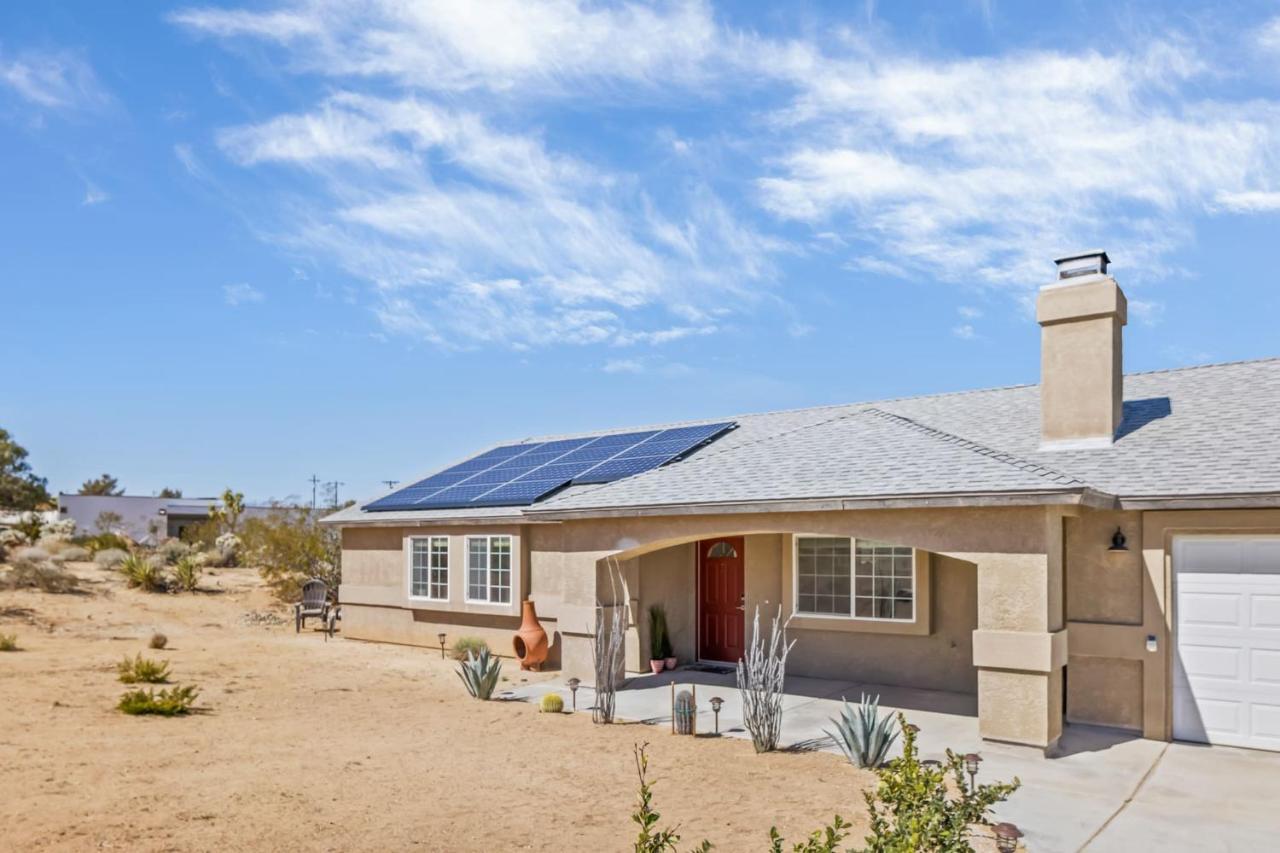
column 333, row 486
column 314, row 482
column 390, row 484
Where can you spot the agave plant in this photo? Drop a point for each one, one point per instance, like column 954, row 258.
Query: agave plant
column 862, row 735
column 480, row 674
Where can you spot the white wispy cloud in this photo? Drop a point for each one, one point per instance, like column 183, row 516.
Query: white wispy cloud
column 1269, row 35
column 969, row 312
column 1249, row 201
column 52, row 80
column 93, row 195
column 190, row 161
column 964, row 331
column 241, row 294
column 623, row 365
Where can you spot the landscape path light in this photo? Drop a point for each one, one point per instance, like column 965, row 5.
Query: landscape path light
column 441, row 636
column 1007, row 836
column 971, row 762
column 573, row 688
column 716, row 702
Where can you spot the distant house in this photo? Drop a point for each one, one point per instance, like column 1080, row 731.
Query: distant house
column 1099, row 548
column 143, row 519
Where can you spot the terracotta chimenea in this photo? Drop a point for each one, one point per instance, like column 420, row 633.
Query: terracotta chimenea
column 531, row 640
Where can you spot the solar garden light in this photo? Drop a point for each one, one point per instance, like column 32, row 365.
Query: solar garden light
column 441, row 637
column 971, row 762
column 573, row 688
column 1007, row 836
column 716, row 702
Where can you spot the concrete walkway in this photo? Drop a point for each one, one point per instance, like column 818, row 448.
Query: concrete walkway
column 1106, row 790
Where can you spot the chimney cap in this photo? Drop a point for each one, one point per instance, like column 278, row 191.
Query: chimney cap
column 1091, row 262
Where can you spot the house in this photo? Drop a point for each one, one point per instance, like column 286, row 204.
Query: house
column 141, row 518
column 1101, row 548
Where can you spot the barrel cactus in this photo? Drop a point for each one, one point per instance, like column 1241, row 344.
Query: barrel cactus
column 685, row 712
column 552, row 704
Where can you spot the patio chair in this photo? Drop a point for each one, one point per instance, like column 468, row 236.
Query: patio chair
column 315, row 603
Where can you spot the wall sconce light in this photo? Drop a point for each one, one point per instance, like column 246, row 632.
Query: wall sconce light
column 716, row 702
column 1118, row 542
column 1007, row 836
column 573, row 688
column 441, row 637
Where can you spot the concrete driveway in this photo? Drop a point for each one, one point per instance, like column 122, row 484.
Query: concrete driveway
column 1105, row 790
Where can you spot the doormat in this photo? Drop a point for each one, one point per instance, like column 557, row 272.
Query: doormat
column 708, row 667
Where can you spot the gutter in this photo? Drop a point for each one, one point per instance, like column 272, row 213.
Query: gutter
column 1240, row 500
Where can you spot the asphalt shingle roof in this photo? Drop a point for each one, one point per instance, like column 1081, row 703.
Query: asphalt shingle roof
column 1199, row 431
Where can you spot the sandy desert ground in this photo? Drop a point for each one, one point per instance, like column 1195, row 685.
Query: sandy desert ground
column 303, row 744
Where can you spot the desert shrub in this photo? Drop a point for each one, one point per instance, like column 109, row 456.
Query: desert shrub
column 464, row 646
column 142, row 573
column 32, row 554
column 76, row 554
column 651, row 838
column 141, row 670
column 167, row 703
column 59, row 531
column 863, row 735
column 10, row 537
column 290, row 547
column 480, row 674
column 551, row 703
column 912, row 809
column 110, row 558
column 40, row 574
column 762, row 672
column 202, row 535
column 30, row 525
column 186, row 574
column 102, row 542
column 158, row 641
column 173, row 550
column 825, row 840
column 216, row 559
column 8, row 642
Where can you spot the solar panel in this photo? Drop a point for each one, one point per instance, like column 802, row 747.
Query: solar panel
column 522, row 474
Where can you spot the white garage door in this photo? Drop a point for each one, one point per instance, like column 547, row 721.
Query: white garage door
column 1226, row 670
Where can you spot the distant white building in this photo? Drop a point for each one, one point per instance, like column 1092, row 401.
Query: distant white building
column 143, row 519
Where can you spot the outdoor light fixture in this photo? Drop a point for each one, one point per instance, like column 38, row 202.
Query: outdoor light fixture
column 716, row 702
column 1118, row 542
column 441, row 637
column 971, row 762
column 1007, row 836
column 573, row 688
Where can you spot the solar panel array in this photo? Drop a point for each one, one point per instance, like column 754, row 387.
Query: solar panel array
column 520, row 474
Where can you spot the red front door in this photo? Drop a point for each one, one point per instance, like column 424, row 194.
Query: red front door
column 720, row 599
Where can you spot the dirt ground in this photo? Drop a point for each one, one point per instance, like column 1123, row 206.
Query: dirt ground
column 344, row 745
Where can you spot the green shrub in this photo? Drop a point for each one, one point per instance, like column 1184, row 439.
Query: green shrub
column 912, row 809
column 552, row 703
column 142, row 573
column 290, row 547
column 167, row 703
column 8, row 642
column 109, row 558
column 142, row 671
column 186, row 574
column 825, row 840
column 652, row 839
column 172, row 551
column 467, row 645
column 158, row 641
column 102, row 542
column 659, row 636
column 480, row 674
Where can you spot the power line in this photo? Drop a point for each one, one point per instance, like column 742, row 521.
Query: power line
column 390, row 484
column 314, row 481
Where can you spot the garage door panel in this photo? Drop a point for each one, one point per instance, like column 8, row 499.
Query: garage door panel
column 1264, row 611
column 1226, row 686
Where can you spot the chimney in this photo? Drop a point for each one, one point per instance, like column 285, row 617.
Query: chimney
column 1082, row 316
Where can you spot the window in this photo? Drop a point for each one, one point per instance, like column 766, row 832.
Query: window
column 721, row 550
column 429, row 568
column 489, row 569
column 861, row 579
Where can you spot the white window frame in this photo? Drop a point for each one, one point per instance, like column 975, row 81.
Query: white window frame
column 488, row 570
column 853, row 584
column 448, row 567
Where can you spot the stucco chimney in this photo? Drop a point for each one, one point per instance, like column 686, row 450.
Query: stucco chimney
column 1082, row 315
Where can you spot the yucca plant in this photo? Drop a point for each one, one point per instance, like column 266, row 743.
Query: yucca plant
column 863, row 737
column 167, row 703
column 142, row 670
column 140, row 572
column 186, row 574
column 480, row 674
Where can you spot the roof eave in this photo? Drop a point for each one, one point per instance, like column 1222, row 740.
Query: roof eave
column 1224, row 500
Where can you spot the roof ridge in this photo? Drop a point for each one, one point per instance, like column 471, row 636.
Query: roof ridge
column 968, row 444
column 1186, row 367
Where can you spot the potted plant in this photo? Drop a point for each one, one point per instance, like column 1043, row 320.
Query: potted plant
column 658, row 642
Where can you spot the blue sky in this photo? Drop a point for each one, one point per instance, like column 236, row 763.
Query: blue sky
column 242, row 244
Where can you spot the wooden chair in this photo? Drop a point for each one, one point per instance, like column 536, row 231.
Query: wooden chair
column 315, row 603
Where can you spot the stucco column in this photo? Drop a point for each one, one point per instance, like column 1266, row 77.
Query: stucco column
column 1020, row 646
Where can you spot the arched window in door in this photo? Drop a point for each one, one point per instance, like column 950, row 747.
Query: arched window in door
column 721, row 550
